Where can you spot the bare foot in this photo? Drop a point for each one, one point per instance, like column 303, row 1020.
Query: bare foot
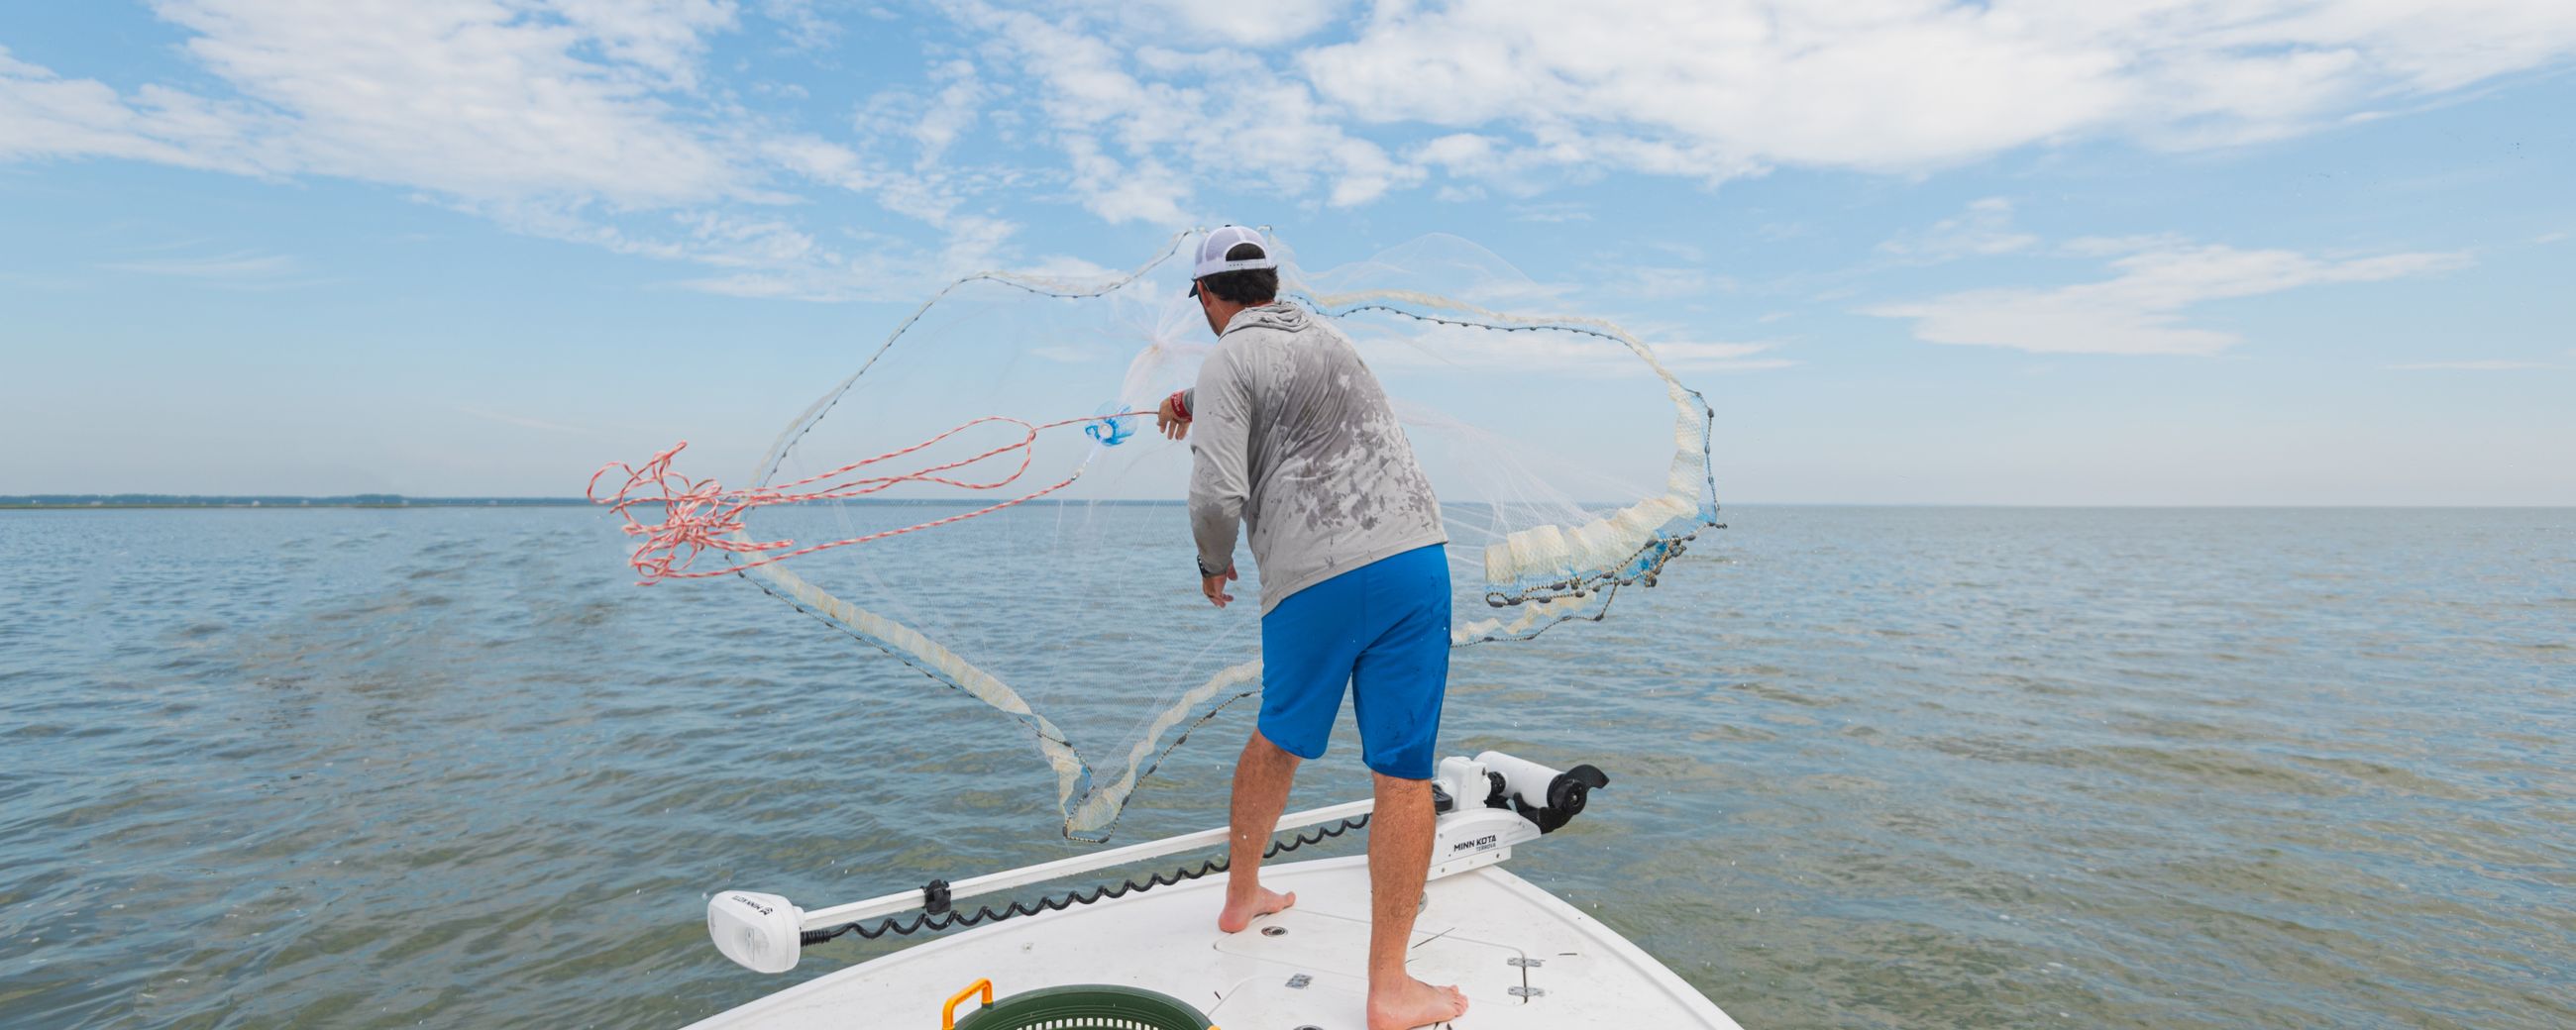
column 1410, row 1003
column 1237, row 916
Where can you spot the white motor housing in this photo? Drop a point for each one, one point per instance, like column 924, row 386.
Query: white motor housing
column 1547, row 797
column 760, row 932
column 1470, row 838
column 1464, row 780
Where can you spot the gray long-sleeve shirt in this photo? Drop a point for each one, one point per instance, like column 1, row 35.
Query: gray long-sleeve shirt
column 1291, row 435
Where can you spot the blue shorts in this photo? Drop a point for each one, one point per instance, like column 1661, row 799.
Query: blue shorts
column 1383, row 629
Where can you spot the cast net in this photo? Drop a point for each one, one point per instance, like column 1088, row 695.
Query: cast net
column 986, row 499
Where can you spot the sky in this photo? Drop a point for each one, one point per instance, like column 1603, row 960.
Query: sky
column 2166, row 252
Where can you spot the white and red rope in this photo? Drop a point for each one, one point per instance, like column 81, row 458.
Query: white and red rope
column 700, row 515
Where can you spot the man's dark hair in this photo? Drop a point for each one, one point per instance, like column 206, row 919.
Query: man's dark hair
column 1248, row 287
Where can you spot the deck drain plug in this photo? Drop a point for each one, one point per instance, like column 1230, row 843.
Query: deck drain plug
column 1274, row 931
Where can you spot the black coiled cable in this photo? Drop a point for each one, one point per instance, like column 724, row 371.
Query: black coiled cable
column 935, row 921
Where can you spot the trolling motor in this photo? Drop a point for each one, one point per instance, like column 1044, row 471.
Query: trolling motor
column 1496, row 780
column 1492, row 801
column 1486, row 804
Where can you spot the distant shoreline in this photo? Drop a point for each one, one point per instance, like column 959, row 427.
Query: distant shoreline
column 114, row 502
column 181, row 502
column 90, row 502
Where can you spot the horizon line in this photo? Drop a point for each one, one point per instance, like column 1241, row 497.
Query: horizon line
column 131, row 501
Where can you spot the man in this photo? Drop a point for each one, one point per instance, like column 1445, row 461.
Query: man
column 1291, row 436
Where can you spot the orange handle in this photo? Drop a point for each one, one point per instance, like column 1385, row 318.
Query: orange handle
column 948, row 1015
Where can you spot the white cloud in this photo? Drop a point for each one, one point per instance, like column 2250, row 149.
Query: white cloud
column 235, row 270
column 2114, row 246
column 931, row 119
column 238, row 265
column 1138, row 147
column 1146, row 192
column 1715, row 89
column 1084, row 94
column 521, row 421
column 599, row 119
column 580, row 120
column 1717, row 85
column 1227, row 22
column 2140, row 311
column 1150, row 103
column 2470, row 366
column 475, row 100
column 661, row 37
column 1734, row 367
column 1072, row 270
column 43, row 115
column 1983, row 230
column 1690, row 356
column 799, row 24
column 1549, row 213
column 952, row 113
column 1660, row 282
column 1467, row 350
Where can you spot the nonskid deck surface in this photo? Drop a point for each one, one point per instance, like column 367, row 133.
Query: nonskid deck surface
column 1524, row 959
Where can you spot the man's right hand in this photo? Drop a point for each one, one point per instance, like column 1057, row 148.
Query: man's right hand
column 1168, row 419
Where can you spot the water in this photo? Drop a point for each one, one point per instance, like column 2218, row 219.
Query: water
column 1872, row 767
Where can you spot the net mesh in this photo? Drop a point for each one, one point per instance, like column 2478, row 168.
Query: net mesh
column 985, row 498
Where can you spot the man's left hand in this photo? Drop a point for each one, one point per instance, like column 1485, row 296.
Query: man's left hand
column 1214, row 587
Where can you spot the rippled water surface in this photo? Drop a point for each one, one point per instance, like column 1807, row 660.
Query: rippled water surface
column 1873, row 767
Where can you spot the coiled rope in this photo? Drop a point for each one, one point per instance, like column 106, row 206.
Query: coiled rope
column 700, row 515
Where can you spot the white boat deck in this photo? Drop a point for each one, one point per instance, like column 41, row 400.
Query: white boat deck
column 1525, row 959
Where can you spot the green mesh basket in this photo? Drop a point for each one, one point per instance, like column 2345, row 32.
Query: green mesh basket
column 1085, row 1007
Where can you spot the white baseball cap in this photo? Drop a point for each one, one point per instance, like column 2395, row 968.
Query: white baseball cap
column 1213, row 247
